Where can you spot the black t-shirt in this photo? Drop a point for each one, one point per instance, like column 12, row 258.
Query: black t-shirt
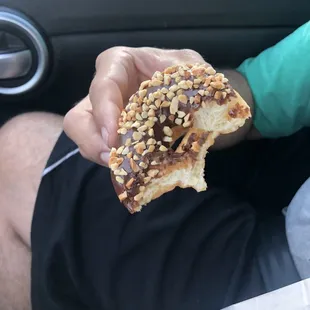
column 185, row 250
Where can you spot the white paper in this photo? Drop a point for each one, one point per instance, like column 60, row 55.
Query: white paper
column 292, row 297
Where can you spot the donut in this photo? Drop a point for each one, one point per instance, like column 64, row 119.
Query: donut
column 190, row 101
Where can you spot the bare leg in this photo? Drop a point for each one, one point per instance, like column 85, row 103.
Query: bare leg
column 26, row 142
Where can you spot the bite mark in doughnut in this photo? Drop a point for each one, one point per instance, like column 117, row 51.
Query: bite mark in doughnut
column 186, row 100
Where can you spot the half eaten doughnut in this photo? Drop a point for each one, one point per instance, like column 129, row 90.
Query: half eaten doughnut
column 186, row 100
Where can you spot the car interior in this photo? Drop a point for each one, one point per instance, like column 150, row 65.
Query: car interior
column 48, row 48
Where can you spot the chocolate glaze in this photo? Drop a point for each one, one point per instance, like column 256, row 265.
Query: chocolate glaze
column 169, row 157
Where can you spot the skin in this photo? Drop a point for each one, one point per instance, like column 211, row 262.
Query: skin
column 92, row 124
column 119, row 72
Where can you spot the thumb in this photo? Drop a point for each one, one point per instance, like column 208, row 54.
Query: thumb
column 107, row 103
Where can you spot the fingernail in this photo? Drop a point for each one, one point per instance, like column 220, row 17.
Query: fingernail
column 105, row 135
column 105, row 157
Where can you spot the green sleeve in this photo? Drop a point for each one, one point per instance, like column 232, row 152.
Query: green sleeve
column 280, row 82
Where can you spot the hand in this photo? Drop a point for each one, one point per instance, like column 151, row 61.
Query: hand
column 92, row 124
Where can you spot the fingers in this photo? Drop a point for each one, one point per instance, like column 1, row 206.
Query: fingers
column 80, row 127
column 115, row 78
column 93, row 123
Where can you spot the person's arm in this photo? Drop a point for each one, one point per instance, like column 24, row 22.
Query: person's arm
column 279, row 79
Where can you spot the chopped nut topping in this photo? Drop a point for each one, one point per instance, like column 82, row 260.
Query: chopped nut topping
column 151, row 97
column 138, row 197
column 183, row 98
column 174, row 105
column 142, row 93
column 167, row 131
column 128, row 142
column 210, row 70
column 156, row 82
column 125, row 151
column 217, row 95
column 142, row 128
column 147, row 180
column 144, row 114
column 151, row 148
column 167, row 139
column 128, row 125
column 197, row 99
column 114, row 166
column 133, row 165
column 157, row 95
column 140, row 147
column 151, row 141
column 157, row 103
column 178, row 121
column 207, row 81
column 187, row 124
column 152, row 173
column 119, row 179
column 136, row 124
column 217, row 85
column 137, row 135
column 149, row 123
column 181, row 114
column 198, row 71
column 165, row 104
column 151, row 113
column 145, row 84
column 178, row 79
column 122, row 196
column 174, row 88
column 162, row 118
column 189, row 84
column 183, row 85
column 167, row 79
column 175, row 75
column 120, row 150
column 129, row 183
column 122, row 131
column 170, row 95
column 138, row 117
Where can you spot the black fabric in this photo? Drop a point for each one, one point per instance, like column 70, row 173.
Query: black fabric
column 184, row 251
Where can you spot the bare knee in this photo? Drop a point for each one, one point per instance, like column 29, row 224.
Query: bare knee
column 25, row 145
column 15, row 268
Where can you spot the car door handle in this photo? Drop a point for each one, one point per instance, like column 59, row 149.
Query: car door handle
column 15, row 64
